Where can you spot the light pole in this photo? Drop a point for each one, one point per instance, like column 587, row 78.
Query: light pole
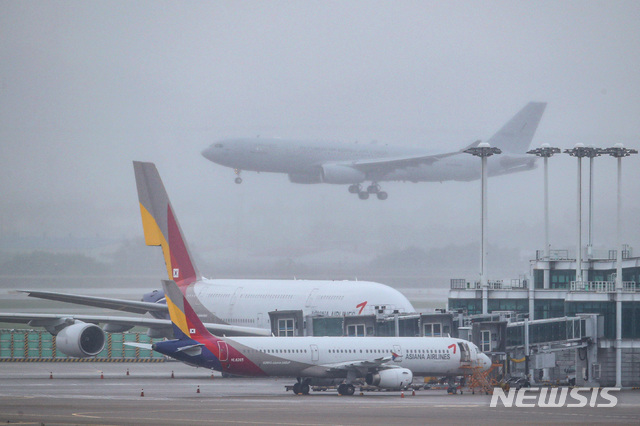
column 483, row 150
column 545, row 151
column 580, row 151
column 619, row 151
column 591, row 153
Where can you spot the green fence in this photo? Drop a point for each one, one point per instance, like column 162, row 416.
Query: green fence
column 37, row 345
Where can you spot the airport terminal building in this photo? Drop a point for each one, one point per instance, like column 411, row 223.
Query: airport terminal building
column 567, row 320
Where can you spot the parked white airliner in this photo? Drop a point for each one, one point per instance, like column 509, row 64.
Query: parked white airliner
column 231, row 307
column 310, row 162
column 386, row 362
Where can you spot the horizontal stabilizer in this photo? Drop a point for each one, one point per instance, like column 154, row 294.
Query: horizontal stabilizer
column 138, row 345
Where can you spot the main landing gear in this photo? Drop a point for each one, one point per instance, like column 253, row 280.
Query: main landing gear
column 238, row 178
column 301, row 387
column 346, row 389
column 374, row 188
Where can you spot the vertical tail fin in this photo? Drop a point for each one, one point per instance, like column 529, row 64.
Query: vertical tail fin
column 161, row 227
column 186, row 324
column 515, row 136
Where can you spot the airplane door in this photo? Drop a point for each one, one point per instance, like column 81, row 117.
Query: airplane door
column 224, row 351
column 312, row 296
column 315, row 356
column 464, row 352
column 398, row 351
column 235, row 296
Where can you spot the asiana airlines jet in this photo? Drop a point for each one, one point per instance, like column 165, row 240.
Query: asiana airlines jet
column 353, row 164
column 230, row 307
column 385, row 362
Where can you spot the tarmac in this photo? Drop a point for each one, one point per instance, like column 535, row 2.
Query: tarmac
column 104, row 394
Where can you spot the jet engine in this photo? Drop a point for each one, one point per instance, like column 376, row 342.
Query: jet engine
column 393, row 378
column 335, row 173
column 80, row 340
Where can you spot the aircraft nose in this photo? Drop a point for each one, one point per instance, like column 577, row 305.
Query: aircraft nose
column 215, row 151
column 208, row 153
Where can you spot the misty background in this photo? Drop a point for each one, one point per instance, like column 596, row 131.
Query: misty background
column 86, row 87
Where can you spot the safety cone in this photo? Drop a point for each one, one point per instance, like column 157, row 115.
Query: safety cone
column 198, row 391
column 413, row 393
column 172, row 376
column 212, row 375
column 127, row 371
column 101, row 375
column 51, row 374
column 142, row 393
column 402, row 394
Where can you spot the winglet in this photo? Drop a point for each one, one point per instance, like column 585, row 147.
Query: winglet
column 516, row 136
column 161, row 227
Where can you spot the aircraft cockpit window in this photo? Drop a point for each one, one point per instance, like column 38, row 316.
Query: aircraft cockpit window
column 218, row 145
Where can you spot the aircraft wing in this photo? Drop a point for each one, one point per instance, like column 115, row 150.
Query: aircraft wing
column 100, row 302
column 387, row 165
column 380, row 363
column 125, row 323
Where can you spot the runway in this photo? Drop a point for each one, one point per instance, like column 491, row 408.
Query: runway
column 77, row 394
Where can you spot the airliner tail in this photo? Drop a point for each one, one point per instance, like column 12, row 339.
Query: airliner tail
column 515, row 136
column 161, row 227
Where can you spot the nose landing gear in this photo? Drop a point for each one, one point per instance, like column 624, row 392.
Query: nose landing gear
column 238, row 179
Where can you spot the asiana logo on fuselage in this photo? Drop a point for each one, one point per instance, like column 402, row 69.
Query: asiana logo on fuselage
column 428, row 356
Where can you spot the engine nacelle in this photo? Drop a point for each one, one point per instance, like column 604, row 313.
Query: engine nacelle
column 80, row 340
column 335, row 173
column 393, row 378
column 307, row 178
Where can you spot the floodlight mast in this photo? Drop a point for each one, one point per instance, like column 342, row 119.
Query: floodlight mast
column 619, row 151
column 591, row 154
column 579, row 151
column 545, row 151
column 483, row 150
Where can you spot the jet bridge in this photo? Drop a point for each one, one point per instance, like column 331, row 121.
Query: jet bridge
column 551, row 343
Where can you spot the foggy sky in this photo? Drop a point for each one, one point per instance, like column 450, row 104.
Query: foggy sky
column 86, row 87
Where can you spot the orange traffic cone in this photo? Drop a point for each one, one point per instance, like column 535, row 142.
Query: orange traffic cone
column 127, row 371
column 142, row 393
column 413, row 393
column 172, row 376
column 402, row 394
column 198, row 391
column 101, row 375
column 51, row 374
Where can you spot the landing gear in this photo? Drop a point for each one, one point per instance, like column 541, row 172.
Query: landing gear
column 238, row 179
column 374, row 188
column 346, row 389
column 301, row 388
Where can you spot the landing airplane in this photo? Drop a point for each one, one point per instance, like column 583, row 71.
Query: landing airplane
column 231, row 307
column 310, row 162
column 385, row 362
